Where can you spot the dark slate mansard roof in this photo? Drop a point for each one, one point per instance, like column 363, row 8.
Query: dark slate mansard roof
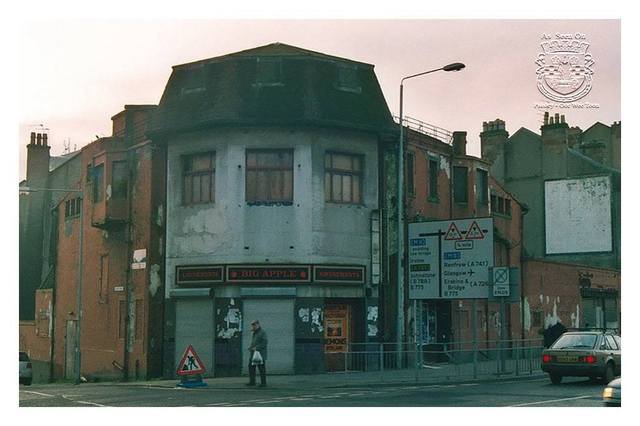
column 223, row 91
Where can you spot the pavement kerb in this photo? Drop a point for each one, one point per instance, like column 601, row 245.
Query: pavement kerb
column 300, row 384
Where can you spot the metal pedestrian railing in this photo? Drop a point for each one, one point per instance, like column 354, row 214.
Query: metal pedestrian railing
column 438, row 361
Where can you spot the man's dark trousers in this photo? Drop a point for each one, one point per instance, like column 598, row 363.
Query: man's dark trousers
column 252, row 373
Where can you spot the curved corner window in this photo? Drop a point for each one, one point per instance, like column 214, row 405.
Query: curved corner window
column 343, row 178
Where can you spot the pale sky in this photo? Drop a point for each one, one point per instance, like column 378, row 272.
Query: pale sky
column 75, row 75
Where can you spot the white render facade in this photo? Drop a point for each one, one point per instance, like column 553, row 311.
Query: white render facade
column 230, row 231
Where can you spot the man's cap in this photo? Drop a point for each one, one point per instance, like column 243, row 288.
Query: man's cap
column 255, row 322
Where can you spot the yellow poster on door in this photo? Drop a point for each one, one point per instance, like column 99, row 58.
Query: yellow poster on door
column 336, row 328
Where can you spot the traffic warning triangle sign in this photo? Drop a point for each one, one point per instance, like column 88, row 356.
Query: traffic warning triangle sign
column 453, row 233
column 190, row 363
column 474, row 232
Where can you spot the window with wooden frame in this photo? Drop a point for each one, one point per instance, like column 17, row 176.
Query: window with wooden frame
column 507, row 207
column 343, row 178
column 198, row 178
column 72, row 207
column 269, row 176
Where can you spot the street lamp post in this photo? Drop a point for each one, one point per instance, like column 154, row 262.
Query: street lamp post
column 78, row 358
column 400, row 207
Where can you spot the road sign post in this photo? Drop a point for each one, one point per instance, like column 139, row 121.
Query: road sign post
column 450, row 259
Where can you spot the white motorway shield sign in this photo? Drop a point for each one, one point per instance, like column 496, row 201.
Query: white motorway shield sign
column 450, row 259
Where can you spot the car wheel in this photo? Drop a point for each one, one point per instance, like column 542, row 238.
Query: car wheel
column 27, row 382
column 556, row 379
column 608, row 374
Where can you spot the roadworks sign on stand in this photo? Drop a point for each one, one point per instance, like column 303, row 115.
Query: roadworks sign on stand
column 190, row 369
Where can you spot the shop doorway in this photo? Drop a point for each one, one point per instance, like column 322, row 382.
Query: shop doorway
column 344, row 331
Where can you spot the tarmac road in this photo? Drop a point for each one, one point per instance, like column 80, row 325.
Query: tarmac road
column 523, row 392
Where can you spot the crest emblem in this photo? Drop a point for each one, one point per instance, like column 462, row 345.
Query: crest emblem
column 564, row 70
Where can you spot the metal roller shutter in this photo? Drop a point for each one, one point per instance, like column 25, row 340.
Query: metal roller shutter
column 276, row 318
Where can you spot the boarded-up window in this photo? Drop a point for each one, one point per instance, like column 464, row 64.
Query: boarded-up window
column 343, row 178
column 198, row 178
column 460, row 184
column 119, row 179
column 269, row 176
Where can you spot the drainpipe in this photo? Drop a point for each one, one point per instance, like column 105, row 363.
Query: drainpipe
column 523, row 211
column 129, row 279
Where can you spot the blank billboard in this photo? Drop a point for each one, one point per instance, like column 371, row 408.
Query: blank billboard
column 578, row 215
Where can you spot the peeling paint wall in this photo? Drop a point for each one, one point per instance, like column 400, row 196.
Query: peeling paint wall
column 155, row 282
column 230, row 231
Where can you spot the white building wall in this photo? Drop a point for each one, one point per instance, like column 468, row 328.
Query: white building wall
column 319, row 232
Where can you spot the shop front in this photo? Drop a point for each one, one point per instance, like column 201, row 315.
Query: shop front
column 311, row 313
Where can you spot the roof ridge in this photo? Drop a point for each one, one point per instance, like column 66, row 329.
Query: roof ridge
column 246, row 53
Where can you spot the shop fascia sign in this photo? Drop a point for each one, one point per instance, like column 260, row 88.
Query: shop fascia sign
column 194, row 275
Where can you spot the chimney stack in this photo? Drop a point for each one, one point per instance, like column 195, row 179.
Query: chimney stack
column 460, row 143
column 492, row 139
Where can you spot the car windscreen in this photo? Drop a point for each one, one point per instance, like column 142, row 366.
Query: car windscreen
column 575, row 341
column 24, row 356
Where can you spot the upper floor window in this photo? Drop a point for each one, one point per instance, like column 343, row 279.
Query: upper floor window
column 198, row 178
column 98, row 182
column 269, row 176
column 460, row 184
column 269, row 71
column 482, row 186
column 72, row 207
column 119, row 179
column 348, row 79
column 343, row 178
column 500, row 205
column 433, row 178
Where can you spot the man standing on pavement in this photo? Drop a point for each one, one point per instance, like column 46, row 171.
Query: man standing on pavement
column 259, row 344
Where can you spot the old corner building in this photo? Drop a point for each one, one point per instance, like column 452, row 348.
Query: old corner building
column 273, row 158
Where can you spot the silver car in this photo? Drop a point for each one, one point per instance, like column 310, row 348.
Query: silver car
column 26, row 370
column 591, row 354
column 612, row 394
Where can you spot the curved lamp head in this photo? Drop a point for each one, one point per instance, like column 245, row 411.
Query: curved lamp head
column 456, row 66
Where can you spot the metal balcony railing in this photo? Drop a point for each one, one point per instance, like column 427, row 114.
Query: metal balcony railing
column 431, row 130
